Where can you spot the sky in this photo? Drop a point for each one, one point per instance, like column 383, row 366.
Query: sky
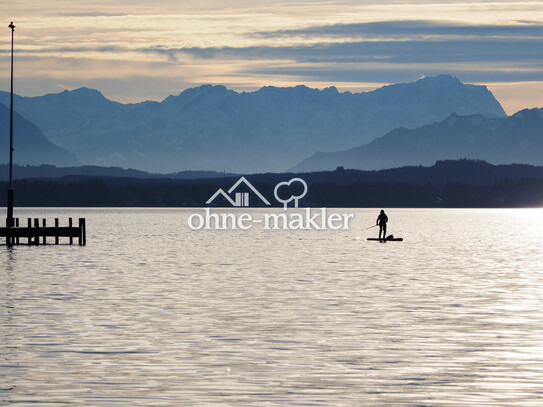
column 135, row 50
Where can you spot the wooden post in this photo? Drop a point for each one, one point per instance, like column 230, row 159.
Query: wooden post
column 56, row 225
column 29, row 236
column 17, row 225
column 9, row 239
column 82, row 232
column 70, row 224
column 37, row 234
column 44, row 224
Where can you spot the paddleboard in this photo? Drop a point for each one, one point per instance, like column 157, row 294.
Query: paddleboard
column 395, row 239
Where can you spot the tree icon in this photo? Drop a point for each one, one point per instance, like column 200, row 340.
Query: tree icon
column 295, row 198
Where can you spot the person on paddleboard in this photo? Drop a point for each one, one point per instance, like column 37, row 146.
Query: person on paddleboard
column 382, row 220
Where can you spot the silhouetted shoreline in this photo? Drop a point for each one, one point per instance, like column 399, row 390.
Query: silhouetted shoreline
column 459, row 183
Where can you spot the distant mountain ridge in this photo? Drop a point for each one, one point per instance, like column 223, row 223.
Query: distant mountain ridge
column 29, row 144
column 51, row 171
column 472, row 172
column 514, row 139
column 213, row 128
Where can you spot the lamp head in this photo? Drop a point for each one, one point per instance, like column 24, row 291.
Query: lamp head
column 11, row 26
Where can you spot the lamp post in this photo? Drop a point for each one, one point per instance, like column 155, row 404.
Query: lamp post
column 9, row 220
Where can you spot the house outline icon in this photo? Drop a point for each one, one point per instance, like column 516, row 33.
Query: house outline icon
column 241, row 198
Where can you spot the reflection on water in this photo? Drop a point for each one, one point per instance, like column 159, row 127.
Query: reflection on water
column 151, row 313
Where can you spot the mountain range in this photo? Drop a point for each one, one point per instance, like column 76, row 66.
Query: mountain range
column 514, row 139
column 213, row 128
column 31, row 146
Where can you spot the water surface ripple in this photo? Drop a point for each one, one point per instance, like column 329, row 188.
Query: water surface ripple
column 151, row 313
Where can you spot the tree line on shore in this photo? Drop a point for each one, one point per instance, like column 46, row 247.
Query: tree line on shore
column 126, row 192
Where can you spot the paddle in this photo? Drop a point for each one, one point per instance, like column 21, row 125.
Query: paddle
column 369, row 227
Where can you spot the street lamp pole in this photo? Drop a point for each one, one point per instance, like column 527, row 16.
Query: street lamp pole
column 10, row 221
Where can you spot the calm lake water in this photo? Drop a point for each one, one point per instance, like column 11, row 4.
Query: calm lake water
column 151, row 313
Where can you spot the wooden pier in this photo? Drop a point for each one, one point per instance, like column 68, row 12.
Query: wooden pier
column 36, row 234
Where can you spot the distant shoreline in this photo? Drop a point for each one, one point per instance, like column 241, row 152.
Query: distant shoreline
column 447, row 184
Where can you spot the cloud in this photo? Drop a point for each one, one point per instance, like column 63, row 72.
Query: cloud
column 413, row 29
column 388, row 51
